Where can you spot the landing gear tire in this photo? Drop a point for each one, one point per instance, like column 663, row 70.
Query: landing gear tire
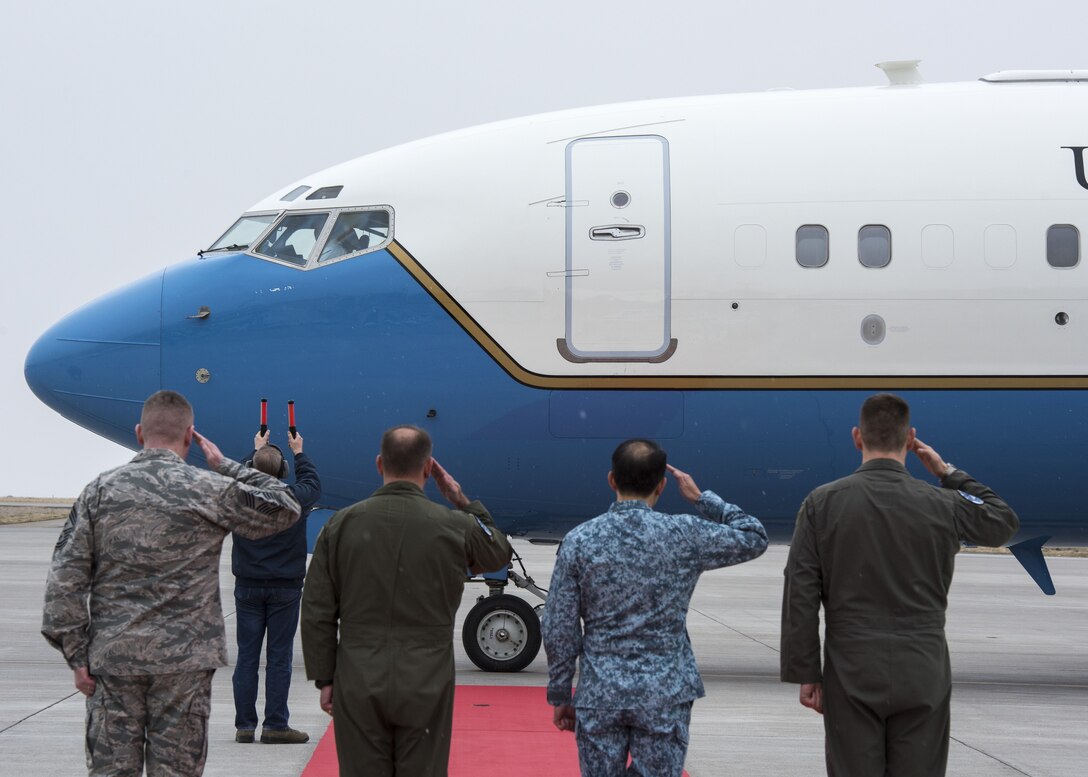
column 501, row 634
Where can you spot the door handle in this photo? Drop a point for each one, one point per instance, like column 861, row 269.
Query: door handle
column 617, row 232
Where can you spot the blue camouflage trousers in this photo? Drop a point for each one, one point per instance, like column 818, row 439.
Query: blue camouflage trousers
column 158, row 720
column 656, row 740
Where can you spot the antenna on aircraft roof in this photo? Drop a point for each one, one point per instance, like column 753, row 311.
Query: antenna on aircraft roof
column 902, row 72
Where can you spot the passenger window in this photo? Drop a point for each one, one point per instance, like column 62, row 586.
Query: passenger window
column 938, row 246
column 294, row 237
column 999, row 246
column 812, row 245
column 874, row 245
column 355, row 232
column 1063, row 246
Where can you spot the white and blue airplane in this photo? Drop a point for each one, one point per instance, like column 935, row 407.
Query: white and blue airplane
column 728, row 275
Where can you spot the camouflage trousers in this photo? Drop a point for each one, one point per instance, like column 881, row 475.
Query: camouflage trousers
column 161, row 719
column 656, row 740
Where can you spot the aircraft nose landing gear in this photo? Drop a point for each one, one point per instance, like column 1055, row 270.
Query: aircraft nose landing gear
column 502, row 632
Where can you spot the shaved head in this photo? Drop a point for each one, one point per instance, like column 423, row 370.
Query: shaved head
column 405, row 451
column 166, row 418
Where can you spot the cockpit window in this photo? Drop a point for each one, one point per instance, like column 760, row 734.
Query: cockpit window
column 244, row 231
column 293, row 239
column 355, row 232
column 326, row 193
column 293, row 195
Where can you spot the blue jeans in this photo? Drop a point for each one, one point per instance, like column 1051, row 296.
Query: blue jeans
column 261, row 611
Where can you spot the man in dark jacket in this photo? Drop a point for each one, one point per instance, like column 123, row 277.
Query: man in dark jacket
column 877, row 549
column 377, row 615
column 268, row 577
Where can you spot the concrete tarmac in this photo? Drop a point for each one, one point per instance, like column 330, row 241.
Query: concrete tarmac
column 1019, row 663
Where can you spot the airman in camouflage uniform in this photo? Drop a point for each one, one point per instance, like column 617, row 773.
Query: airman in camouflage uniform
column 628, row 575
column 132, row 598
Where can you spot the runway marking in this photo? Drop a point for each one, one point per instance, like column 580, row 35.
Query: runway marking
column 735, row 631
column 39, row 712
column 988, row 755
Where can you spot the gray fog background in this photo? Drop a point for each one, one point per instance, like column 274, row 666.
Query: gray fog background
column 134, row 133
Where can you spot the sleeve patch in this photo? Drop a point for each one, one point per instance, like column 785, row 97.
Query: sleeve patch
column 970, row 498
column 483, row 526
column 66, row 532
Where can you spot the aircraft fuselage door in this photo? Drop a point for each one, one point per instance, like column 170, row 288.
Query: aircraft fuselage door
column 617, row 249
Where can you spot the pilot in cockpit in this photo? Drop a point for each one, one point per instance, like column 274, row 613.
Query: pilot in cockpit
column 344, row 240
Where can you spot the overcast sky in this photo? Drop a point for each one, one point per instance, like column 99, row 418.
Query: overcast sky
column 134, row 133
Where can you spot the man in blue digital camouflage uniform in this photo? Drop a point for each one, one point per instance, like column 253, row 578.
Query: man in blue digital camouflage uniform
column 628, row 576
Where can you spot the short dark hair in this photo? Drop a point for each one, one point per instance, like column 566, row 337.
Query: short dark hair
column 166, row 416
column 638, row 466
column 884, row 422
column 269, row 460
column 405, row 451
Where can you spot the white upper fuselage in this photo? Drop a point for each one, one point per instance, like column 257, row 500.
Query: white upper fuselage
column 696, row 281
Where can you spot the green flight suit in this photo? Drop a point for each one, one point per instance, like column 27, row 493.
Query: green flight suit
column 877, row 550
column 378, row 610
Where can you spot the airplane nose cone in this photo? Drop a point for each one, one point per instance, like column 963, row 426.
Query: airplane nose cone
column 97, row 366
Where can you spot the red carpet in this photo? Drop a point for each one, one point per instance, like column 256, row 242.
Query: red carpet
column 496, row 730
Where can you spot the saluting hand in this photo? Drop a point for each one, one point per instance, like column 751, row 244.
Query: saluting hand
column 684, row 482
column 449, row 487
column 211, row 451
column 930, row 458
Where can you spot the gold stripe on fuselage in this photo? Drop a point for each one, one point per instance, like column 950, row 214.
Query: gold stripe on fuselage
column 716, row 382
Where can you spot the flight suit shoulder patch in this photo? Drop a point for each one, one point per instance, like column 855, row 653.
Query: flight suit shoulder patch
column 970, row 498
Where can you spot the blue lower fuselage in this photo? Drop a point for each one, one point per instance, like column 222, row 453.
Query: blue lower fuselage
column 361, row 346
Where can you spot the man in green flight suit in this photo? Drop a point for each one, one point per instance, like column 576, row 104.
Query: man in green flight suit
column 877, row 549
column 378, row 609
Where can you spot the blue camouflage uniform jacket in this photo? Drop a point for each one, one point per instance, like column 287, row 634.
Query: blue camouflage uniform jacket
column 628, row 575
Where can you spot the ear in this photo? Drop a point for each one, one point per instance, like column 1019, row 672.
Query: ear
column 378, row 464
column 660, row 488
column 611, row 481
column 911, row 438
column 139, row 435
column 856, row 434
column 189, row 436
column 428, row 468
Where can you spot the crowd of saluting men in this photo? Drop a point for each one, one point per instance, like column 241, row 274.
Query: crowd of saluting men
column 132, row 602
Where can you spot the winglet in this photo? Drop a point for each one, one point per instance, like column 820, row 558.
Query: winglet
column 1030, row 555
